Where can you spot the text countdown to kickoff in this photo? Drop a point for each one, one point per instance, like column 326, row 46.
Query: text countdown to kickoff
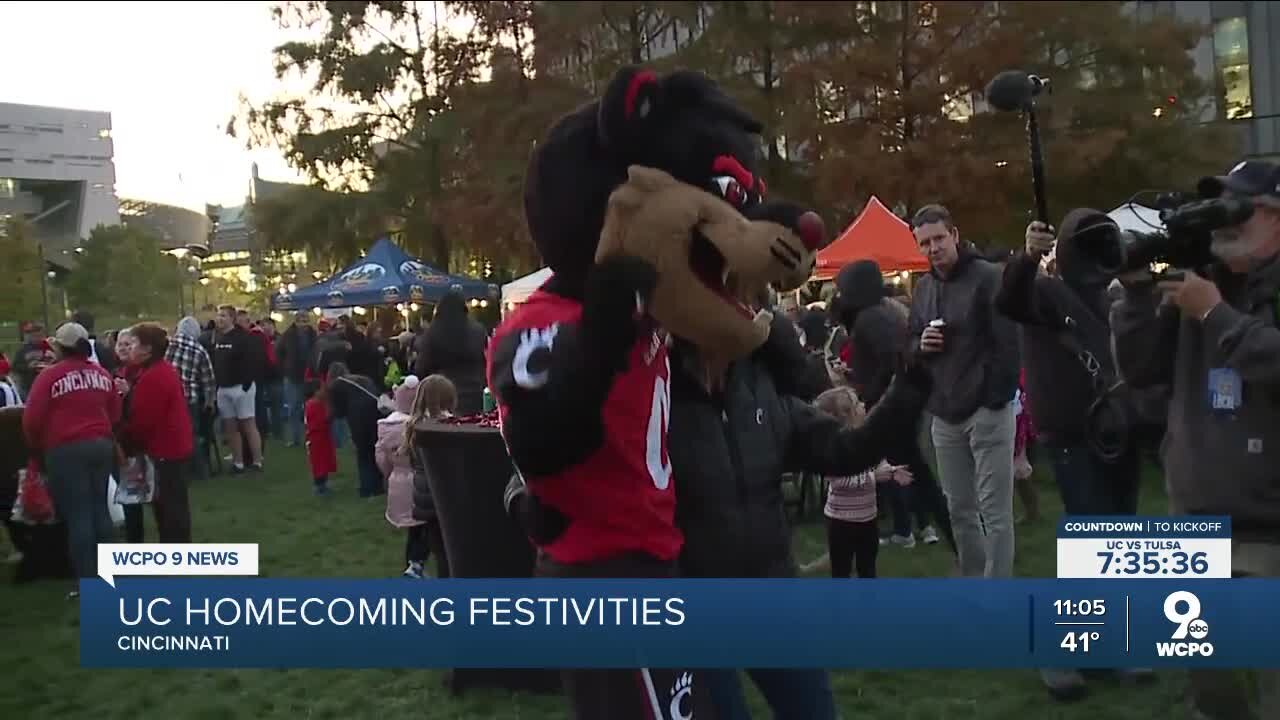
column 1168, row 548
column 188, row 559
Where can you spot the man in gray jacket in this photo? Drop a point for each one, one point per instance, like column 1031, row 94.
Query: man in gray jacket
column 1216, row 340
column 973, row 352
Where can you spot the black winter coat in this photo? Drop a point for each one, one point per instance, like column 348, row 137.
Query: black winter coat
column 729, row 453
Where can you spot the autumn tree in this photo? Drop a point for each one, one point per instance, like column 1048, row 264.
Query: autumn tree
column 900, row 115
column 122, row 272
column 21, row 299
column 383, row 74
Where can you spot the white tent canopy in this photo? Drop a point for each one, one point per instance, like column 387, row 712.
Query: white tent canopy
column 1136, row 218
column 519, row 290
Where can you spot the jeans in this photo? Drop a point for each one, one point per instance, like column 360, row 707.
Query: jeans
column 923, row 496
column 267, row 410
column 293, row 399
column 975, row 465
column 371, row 480
column 1090, row 486
column 77, row 474
column 790, row 693
column 197, row 466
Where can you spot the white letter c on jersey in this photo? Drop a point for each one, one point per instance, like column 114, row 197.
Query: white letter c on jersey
column 531, row 341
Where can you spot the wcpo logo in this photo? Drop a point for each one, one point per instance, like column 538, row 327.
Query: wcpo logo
column 1182, row 608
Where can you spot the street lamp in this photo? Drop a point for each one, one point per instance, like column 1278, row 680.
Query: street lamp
column 179, row 253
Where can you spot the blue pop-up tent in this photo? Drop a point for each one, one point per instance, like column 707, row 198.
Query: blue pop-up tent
column 386, row 275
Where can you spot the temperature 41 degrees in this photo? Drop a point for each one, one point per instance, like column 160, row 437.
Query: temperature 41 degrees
column 1079, row 641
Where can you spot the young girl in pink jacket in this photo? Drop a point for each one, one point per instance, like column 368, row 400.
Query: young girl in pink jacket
column 393, row 461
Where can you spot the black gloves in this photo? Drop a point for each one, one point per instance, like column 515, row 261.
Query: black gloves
column 618, row 291
column 542, row 523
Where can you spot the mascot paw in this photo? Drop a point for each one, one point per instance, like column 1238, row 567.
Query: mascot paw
column 542, row 523
column 616, row 286
column 624, row 280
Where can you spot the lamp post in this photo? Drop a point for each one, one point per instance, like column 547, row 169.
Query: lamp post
column 179, row 253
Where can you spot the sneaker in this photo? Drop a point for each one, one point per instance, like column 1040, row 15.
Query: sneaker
column 904, row 541
column 320, row 489
column 256, row 467
column 237, row 469
column 1064, row 685
column 929, row 536
column 228, row 458
column 73, row 595
column 884, row 541
column 14, row 558
column 414, row 571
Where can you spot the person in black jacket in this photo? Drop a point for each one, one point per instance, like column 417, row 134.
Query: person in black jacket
column 454, row 346
column 877, row 327
column 294, row 351
column 238, row 360
column 355, row 399
column 730, row 441
column 1073, row 305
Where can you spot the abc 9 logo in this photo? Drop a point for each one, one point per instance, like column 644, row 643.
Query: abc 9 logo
column 1188, row 619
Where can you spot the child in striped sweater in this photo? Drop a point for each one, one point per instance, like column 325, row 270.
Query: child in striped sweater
column 853, row 537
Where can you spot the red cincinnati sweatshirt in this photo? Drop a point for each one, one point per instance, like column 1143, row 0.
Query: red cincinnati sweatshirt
column 72, row 401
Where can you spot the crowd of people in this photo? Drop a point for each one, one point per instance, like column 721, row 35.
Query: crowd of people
column 1024, row 355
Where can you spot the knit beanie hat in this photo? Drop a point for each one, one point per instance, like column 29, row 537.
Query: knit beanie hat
column 405, row 393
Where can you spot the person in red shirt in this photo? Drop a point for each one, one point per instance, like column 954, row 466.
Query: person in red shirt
column 68, row 422
column 157, row 425
column 322, row 455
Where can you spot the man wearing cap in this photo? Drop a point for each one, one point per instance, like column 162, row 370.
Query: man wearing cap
column 1214, row 337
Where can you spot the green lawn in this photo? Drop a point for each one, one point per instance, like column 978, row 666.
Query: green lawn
column 343, row 536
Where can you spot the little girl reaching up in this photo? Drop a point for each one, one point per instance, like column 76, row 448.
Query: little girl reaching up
column 853, row 536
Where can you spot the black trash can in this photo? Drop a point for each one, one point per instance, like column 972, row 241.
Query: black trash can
column 468, row 470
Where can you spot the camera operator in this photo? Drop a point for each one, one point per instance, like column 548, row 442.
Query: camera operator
column 1059, row 314
column 1215, row 340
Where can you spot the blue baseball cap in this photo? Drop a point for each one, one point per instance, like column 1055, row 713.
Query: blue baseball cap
column 1249, row 178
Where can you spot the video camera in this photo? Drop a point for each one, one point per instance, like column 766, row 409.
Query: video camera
column 1184, row 242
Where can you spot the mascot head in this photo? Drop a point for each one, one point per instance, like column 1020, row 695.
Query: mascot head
column 684, row 160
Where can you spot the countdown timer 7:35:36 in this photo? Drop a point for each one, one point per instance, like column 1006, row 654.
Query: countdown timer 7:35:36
column 1176, row 563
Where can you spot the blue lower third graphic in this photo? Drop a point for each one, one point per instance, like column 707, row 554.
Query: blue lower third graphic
column 537, row 623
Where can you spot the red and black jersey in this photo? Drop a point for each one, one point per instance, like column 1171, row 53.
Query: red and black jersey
column 597, row 456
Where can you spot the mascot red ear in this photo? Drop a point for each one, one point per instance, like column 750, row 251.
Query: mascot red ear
column 630, row 107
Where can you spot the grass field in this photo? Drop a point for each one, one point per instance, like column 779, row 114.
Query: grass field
column 343, row 536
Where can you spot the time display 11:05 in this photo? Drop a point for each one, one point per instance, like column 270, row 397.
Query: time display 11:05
column 1177, row 562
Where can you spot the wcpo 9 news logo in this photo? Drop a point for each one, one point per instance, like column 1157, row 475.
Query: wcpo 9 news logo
column 1182, row 608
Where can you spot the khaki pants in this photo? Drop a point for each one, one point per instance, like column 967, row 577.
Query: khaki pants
column 975, row 467
column 1225, row 694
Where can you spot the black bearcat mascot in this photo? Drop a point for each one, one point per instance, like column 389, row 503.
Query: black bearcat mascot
column 580, row 370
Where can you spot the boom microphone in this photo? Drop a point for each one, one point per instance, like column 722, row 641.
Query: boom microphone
column 1012, row 90
column 1015, row 91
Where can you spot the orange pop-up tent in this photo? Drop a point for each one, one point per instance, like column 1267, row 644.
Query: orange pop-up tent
column 877, row 234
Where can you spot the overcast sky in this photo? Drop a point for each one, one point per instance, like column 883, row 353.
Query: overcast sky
column 168, row 72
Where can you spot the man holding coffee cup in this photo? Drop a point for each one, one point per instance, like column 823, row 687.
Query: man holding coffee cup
column 973, row 354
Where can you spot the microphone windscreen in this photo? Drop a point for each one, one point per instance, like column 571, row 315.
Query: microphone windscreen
column 1010, row 90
